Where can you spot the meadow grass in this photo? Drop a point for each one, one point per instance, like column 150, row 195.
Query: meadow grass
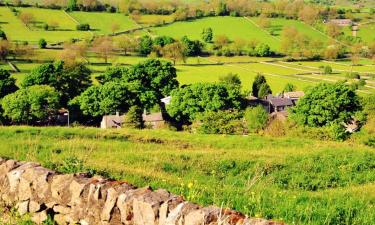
column 298, row 181
column 233, row 27
column 155, row 19
column 101, row 22
column 17, row 31
column 50, row 16
column 278, row 24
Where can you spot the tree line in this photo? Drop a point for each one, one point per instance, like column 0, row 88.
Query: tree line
column 138, row 88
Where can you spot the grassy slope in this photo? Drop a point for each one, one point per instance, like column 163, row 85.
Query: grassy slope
column 17, row 31
column 102, row 22
column 48, row 16
column 277, row 24
column 233, row 27
column 293, row 180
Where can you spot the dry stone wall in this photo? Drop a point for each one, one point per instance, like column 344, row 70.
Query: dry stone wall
column 80, row 199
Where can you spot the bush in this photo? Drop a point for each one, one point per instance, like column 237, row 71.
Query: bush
column 42, row 43
column 327, row 70
column 83, row 27
column 353, row 75
column 338, row 132
column 221, row 122
column 276, row 128
column 134, row 118
column 256, row 118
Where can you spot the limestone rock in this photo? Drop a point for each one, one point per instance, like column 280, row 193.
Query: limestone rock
column 109, row 204
column 23, row 207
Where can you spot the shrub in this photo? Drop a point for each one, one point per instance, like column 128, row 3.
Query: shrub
column 3, row 35
column 338, row 132
column 221, row 122
column 327, row 70
column 353, row 75
column 276, row 128
column 134, row 118
column 83, row 27
column 42, row 43
column 45, row 26
column 256, row 118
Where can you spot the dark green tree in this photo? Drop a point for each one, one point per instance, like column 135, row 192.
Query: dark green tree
column 264, row 90
column 289, row 87
column 69, row 81
column 42, row 43
column 3, row 35
column 189, row 101
column 207, row 35
column 111, row 74
column 31, row 105
column 258, row 81
column 145, row 45
column 152, row 80
column 192, row 48
column 7, row 83
column 263, row 50
column 109, row 98
column 326, row 104
column 163, row 40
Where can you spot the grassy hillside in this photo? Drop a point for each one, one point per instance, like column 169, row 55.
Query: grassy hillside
column 233, row 27
column 102, row 22
column 298, row 181
column 18, row 31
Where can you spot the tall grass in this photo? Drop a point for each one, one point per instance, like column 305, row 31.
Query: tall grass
column 298, row 181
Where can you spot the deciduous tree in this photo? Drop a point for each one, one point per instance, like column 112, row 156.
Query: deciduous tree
column 325, row 104
column 35, row 104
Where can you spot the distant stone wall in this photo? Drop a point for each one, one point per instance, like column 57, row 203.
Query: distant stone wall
column 80, row 199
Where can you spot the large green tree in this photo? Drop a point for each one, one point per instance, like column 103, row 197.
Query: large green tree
column 207, row 35
column 145, row 45
column 326, row 104
column 69, row 81
column 111, row 74
column 107, row 98
column 258, row 82
column 31, row 105
column 189, row 101
column 151, row 80
column 7, row 83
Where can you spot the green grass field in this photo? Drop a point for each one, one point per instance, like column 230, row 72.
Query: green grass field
column 233, row 27
column 278, row 24
column 102, row 22
column 51, row 16
column 210, row 69
column 298, row 181
column 17, row 31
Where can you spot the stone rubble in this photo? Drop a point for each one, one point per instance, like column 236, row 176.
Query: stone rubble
column 80, row 199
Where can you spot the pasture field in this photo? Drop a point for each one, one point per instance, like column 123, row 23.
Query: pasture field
column 101, row 22
column 210, row 69
column 278, row 24
column 155, row 19
column 49, row 16
column 367, row 32
column 295, row 180
column 18, row 31
column 233, row 27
